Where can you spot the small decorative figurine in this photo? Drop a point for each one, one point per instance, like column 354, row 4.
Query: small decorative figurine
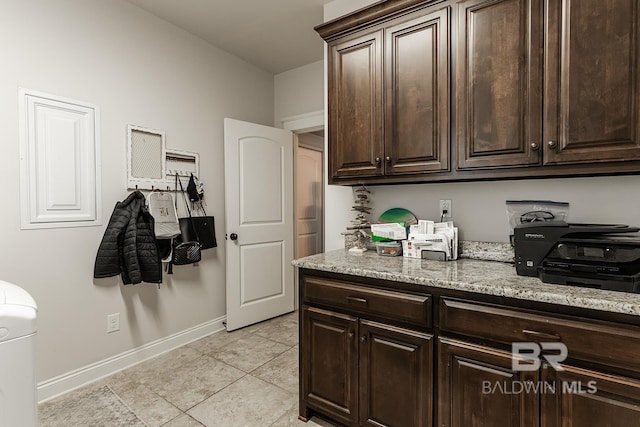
column 361, row 221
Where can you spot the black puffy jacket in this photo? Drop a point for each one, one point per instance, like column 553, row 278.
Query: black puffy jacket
column 129, row 245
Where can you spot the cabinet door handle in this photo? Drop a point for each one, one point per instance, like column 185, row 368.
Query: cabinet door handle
column 378, row 161
column 535, row 146
column 351, row 335
column 363, row 339
column 388, row 159
column 357, row 300
column 542, row 335
column 552, row 144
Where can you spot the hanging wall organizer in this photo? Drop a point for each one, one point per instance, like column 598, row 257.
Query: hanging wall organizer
column 182, row 163
column 151, row 165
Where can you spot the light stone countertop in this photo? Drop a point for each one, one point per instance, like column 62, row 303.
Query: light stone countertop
column 484, row 277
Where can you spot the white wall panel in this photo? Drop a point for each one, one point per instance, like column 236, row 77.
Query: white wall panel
column 59, row 162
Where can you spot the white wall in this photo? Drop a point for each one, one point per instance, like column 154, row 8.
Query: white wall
column 298, row 91
column 479, row 207
column 139, row 70
column 338, row 8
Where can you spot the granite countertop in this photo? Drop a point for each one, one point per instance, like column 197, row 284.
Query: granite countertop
column 471, row 275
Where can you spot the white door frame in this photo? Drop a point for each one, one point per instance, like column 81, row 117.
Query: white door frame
column 309, row 122
column 302, row 123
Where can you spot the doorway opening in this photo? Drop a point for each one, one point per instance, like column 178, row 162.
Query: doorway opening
column 309, row 193
column 309, row 197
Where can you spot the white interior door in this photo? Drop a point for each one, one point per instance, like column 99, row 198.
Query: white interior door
column 309, row 202
column 259, row 222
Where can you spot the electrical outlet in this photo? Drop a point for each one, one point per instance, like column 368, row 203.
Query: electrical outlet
column 113, row 322
column 445, row 208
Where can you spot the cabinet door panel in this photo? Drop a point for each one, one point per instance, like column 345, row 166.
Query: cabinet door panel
column 329, row 357
column 476, row 387
column 417, row 90
column 499, row 79
column 395, row 376
column 592, row 92
column 589, row 398
column 355, row 106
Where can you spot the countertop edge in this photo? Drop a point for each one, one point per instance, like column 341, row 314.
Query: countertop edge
column 608, row 301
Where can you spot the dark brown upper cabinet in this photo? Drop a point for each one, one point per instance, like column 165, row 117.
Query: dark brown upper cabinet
column 499, row 82
column 417, row 95
column 355, row 106
column 592, row 93
column 446, row 90
column 389, row 96
column 584, row 53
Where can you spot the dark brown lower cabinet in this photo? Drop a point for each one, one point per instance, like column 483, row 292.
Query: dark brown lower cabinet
column 585, row 397
column 378, row 354
column 396, row 376
column 478, row 387
column 364, row 373
column 329, row 374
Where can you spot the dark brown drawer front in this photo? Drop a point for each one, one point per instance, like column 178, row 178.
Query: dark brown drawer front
column 597, row 341
column 401, row 306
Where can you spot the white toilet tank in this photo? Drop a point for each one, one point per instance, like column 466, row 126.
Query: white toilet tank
column 18, row 397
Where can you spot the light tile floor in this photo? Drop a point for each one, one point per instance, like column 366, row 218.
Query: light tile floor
column 248, row 377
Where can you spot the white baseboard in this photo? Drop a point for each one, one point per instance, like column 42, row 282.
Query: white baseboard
column 64, row 383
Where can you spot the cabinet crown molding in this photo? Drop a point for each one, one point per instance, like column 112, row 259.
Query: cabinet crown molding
column 367, row 16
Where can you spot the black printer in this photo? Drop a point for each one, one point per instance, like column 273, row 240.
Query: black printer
column 592, row 255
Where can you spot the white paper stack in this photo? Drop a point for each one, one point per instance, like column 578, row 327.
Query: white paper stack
column 431, row 240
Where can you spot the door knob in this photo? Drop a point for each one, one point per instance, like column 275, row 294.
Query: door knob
column 233, row 236
column 552, row 144
column 388, row 159
column 377, row 160
column 535, row 146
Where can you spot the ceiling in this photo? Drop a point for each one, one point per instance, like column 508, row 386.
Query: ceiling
column 275, row 35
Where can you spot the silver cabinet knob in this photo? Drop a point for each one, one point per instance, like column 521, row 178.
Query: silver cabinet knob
column 535, row 146
column 388, row 159
column 377, row 160
column 552, row 144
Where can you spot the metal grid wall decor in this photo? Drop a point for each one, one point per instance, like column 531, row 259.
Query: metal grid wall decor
column 146, row 158
column 146, row 154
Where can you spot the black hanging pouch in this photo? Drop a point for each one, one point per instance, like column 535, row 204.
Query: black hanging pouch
column 188, row 251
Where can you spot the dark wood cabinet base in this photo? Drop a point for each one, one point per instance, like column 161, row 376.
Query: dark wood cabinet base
column 451, row 362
